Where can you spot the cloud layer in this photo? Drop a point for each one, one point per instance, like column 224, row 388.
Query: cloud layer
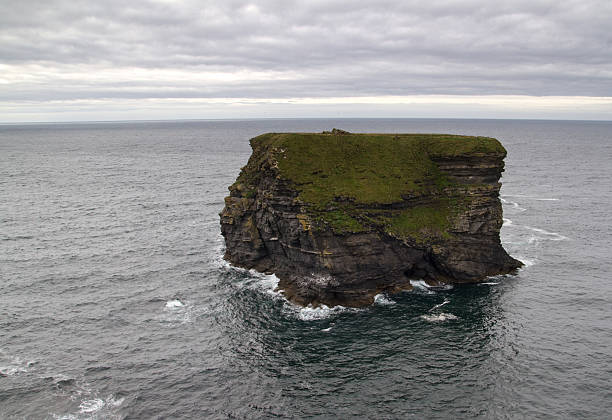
column 118, row 50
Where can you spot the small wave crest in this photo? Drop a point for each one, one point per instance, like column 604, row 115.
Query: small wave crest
column 524, row 239
column 382, row 299
column 513, row 205
column 529, row 197
column 98, row 404
column 422, row 286
column 527, row 262
column 180, row 311
column 95, row 408
column 544, row 234
column 173, row 304
column 310, row 313
column 13, row 365
column 439, row 317
column 439, row 305
column 255, row 280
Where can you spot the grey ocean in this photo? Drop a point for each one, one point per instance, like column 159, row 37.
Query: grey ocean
column 115, row 302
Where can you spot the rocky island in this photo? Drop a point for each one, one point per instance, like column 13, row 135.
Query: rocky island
column 340, row 217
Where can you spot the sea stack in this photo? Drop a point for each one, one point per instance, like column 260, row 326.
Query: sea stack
column 340, row 217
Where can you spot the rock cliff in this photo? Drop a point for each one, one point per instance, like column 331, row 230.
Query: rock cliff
column 340, row 217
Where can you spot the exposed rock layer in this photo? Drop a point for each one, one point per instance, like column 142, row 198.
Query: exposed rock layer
column 339, row 217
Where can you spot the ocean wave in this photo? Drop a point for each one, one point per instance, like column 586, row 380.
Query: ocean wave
column 382, row 299
column 439, row 317
column 527, row 262
column 97, row 404
column 422, row 286
column 551, row 236
column 537, row 234
column 13, row 365
column 176, row 311
column 311, row 313
column 439, row 305
column 529, row 197
column 173, row 304
column 513, row 205
column 267, row 284
column 95, row 408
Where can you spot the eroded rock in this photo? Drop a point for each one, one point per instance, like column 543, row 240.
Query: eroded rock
column 340, row 217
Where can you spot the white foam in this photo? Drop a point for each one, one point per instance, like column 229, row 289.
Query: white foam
column 527, row 262
column 382, row 299
column 268, row 285
column 173, row 304
column 326, row 329
column 446, row 301
column 421, row 285
column 95, row 408
column 533, row 238
column 439, row 318
column 529, row 197
column 91, row 406
column 515, row 206
column 310, row 313
column 99, row 406
column 182, row 312
column 489, row 283
column 11, row 370
column 266, row 282
column 261, row 282
column 13, row 365
column 551, row 236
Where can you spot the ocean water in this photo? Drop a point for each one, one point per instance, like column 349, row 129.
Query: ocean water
column 115, row 302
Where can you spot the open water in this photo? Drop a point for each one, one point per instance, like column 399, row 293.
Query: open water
column 115, row 302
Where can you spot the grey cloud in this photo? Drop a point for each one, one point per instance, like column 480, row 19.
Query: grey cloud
column 336, row 48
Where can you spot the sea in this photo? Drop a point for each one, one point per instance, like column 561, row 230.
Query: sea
column 116, row 303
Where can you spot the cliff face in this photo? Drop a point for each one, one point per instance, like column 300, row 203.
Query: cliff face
column 339, row 217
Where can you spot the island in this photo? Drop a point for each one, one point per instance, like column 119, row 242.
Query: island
column 339, row 217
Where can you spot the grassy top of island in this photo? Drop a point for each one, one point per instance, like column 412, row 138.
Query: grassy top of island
column 350, row 182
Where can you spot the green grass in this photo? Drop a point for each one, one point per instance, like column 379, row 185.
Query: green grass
column 422, row 223
column 342, row 178
column 342, row 221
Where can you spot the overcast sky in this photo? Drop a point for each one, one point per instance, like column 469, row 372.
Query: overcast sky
column 110, row 59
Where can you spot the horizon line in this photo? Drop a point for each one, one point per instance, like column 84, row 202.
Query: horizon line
column 290, row 118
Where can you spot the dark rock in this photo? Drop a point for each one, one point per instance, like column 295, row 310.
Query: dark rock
column 340, row 217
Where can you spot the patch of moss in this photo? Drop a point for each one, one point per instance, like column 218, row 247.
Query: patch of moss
column 341, row 221
column 423, row 222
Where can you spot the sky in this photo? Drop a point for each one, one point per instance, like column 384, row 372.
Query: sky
column 70, row 60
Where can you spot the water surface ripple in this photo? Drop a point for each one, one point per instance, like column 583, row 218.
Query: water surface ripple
column 115, row 302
